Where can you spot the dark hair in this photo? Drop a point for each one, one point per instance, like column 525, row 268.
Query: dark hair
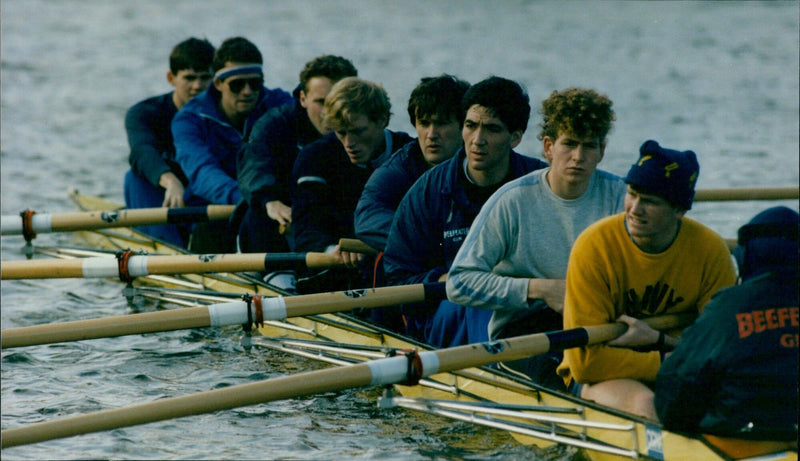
column 505, row 99
column 440, row 96
column 576, row 111
column 193, row 54
column 333, row 67
column 236, row 49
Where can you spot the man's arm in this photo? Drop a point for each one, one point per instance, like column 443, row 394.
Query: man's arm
column 201, row 166
column 313, row 215
column 472, row 281
column 264, row 163
column 145, row 156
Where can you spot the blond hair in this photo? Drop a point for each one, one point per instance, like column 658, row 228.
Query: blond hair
column 351, row 97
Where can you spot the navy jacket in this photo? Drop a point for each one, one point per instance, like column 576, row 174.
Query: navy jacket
column 206, row 145
column 147, row 124
column 265, row 161
column 433, row 219
column 734, row 372
column 326, row 188
column 383, row 192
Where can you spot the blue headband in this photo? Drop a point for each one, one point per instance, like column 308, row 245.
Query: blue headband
column 226, row 72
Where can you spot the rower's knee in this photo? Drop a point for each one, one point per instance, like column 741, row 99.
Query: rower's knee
column 623, row 394
column 642, row 404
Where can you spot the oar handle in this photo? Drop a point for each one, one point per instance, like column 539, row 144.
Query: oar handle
column 356, row 246
column 536, row 344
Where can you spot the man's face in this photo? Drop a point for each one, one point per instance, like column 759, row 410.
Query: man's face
column 650, row 218
column 572, row 159
column 487, row 141
column 314, row 100
column 188, row 83
column 438, row 139
column 362, row 138
column 239, row 93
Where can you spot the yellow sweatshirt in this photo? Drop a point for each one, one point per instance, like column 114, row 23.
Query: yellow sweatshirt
column 608, row 276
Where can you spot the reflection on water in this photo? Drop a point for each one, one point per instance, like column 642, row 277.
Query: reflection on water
column 71, row 68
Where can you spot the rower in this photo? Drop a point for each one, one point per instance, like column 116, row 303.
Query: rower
column 330, row 173
column 435, row 215
column 264, row 163
column 514, row 259
column 155, row 178
column 211, row 128
column 649, row 260
column 734, row 373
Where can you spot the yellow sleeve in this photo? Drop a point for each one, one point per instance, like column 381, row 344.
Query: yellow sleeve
column 719, row 271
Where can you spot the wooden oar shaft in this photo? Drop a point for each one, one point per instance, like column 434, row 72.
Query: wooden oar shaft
column 205, row 402
column 232, row 313
column 143, row 265
column 338, row 301
column 386, row 371
column 744, row 194
column 65, row 222
column 150, row 322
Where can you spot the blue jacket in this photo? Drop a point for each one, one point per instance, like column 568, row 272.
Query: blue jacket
column 206, row 145
column 433, row 219
column 383, row 192
column 326, row 188
column 265, row 161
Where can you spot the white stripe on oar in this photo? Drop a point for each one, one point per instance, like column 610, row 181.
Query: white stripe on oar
column 230, row 313
column 378, row 372
column 13, row 224
column 140, row 265
column 88, row 220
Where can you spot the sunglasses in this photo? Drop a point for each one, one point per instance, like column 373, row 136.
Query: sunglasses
column 254, row 83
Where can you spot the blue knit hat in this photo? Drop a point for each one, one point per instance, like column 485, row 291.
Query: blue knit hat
column 668, row 173
column 768, row 242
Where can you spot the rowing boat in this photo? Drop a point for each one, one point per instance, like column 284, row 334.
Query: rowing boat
column 487, row 396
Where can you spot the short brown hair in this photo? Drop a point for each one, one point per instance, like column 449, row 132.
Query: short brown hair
column 333, row 67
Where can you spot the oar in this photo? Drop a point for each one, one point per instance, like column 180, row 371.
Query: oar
column 31, row 223
column 403, row 368
column 744, row 194
column 128, row 265
column 254, row 310
column 356, row 246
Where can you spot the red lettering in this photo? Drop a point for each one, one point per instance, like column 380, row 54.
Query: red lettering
column 783, row 316
column 745, row 321
column 771, row 319
column 794, row 313
column 790, row 340
column 758, row 321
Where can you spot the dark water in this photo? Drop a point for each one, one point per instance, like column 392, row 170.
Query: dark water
column 720, row 78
